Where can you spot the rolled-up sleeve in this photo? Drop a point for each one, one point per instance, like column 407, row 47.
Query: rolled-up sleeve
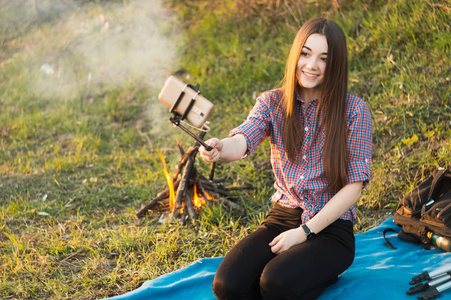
column 360, row 141
column 257, row 126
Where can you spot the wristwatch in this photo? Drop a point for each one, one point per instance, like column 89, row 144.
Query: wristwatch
column 310, row 234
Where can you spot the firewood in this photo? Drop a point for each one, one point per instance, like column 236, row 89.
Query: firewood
column 184, row 217
column 232, row 204
column 202, row 191
column 184, row 160
column 212, row 171
column 186, row 177
column 182, row 152
column 161, row 196
column 218, row 180
column 215, row 188
column 186, row 173
column 182, row 186
column 190, row 208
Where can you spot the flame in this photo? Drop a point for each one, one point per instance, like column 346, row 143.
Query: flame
column 170, row 184
column 209, row 197
column 198, row 201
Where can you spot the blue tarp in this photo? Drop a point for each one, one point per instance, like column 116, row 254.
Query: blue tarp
column 378, row 272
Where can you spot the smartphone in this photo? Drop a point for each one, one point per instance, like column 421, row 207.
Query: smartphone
column 199, row 111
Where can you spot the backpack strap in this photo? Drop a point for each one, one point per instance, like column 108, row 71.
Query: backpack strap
column 389, row 244
column 437, row 177
column 410, row 238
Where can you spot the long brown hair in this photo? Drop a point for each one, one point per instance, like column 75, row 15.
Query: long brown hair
column 331, row 104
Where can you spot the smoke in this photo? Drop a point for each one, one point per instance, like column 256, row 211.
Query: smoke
column 127, row 43
column 82, row 46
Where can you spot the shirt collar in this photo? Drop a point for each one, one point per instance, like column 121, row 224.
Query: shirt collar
column 298, row 98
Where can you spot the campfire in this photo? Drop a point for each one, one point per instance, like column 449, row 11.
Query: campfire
column 187, row 189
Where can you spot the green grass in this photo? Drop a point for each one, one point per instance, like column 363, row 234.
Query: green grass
column 79, row 146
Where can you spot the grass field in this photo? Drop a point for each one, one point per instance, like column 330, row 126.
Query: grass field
column 81, row 127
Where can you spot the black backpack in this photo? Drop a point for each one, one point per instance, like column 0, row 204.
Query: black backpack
column 425, row 213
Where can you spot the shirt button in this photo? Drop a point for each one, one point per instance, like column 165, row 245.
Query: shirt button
column 302, row 177
column 306, row 129
column 304, row 157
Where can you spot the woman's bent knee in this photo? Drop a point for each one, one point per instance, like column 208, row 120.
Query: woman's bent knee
column 219, row 288
column 232, row 289
column 273, row 286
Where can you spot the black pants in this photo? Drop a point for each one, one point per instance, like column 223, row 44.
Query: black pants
column 251, row 271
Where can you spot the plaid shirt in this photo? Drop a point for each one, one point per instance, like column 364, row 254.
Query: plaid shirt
column 304, row 184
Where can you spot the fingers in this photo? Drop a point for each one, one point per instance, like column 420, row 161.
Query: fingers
column 212, row 155
column 275, row 240
column 276, row 247
column 286, row 240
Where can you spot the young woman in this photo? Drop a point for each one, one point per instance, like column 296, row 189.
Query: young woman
column 321, row 140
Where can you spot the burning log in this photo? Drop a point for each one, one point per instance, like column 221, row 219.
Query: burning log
column 188, row 189
column 164, row 195
column 183, row 185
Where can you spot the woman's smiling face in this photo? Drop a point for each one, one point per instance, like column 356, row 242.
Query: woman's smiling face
column 312, row 65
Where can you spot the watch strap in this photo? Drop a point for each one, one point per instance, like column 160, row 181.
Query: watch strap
column 310, row 234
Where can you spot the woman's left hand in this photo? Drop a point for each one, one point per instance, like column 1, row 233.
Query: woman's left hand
column 287, row 239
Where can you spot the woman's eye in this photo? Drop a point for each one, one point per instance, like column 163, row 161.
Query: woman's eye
column 304, row 54
column 324, row 58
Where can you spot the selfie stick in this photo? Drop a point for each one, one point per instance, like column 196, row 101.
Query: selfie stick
column 177, row 117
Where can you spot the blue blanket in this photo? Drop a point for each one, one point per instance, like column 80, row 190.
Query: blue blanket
column 378, row 272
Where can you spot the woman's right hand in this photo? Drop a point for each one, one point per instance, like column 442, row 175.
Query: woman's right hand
column 214, row 154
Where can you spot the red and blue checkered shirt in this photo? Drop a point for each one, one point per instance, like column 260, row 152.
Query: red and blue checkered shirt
column 304, row 184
